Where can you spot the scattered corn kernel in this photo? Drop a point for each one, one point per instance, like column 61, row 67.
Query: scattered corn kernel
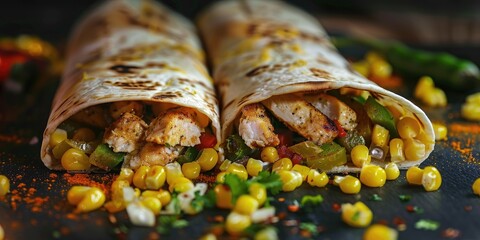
column 440, row 131
column 117, row 189
column 86, row 198
column 269, row 154
column 126, row 174
column 356, row 215
column 254, row 166
column 246, row 205
column 282, row 164
column 191, row 170
column 316, row 179
column 348, row 184
column 208, row 236
column 360, row 155
column 290, row 180
column 424, row 84
column 173, row 171
column 471, row 107
column 380, row 136
column 83, row 134
column 180, row 185
column 236, row 223
column 259, row 192
column 380, row 232
column 155, row 178
column 221, row 177
column 139, row 177
column 362, row 67
column 268, row 233
column 152, row 203
column 380, row 68
column 208, row 159
column 414, row 149
column 224, row 165
column 223, row 196
column 163, row 195
column 414, row 175
column 373, row 176
column 4, row 185
column 396, row 150
column 58, row 136
column 426, row 92
column 476, row 187
column 114, row 206
column 392, row 171
column 75, row 160
column 408, row 127
column 302, row 169
column 239, row 170
column 431, row 179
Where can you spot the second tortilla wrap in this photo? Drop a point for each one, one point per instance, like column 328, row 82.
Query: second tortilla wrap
column 271, row 53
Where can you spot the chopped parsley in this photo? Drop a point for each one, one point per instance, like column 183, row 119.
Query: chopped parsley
column 167, row 223
column 311, row 200
column 427, row 224
column 404, row 198
column 238, row 187
column 376, row 198
column 309, row 227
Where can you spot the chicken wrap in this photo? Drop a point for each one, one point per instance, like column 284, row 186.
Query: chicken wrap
column 135, row 90
column 283, row 84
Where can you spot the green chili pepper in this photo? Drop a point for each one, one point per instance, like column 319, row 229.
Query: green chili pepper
column 332, row 155
column 235, row 148
column 446, row 69
column 105, row 158
column 380, row 115
column 189, row 155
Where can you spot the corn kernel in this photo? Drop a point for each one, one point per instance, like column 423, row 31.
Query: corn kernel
column 254, row 166
column 269, row 154
column 414, row 175
column 180, row 185
column 316, row 179
column 259, row 192
column 236, row 223
column 58, row 136
column 414, row 149
column 173, row 171
column 117, row 189
column 471, row 111
column 223, row 196
column 224, row 165
column 360, row 155
column 139, row 177
column 348, row 184
column 163, row 195
column 86, row 198
column 208, row 159
column 380, row 136
column 4, row 185
column 268, row 233
column 379, row 231
column 239, row 170
column 208, row 236
column 396, row 150
column 282, row 164
column 380, row 68
column 476, row 187
column 191, row 170
column 75, row 160
column 155, row 178
column 290, row 180
column 246, row 205
column 114, row 206
column 408, row 127
column 424, row 84
column 126, row 174
column 76, row 194
column 440, row 131
column 392, row 171
column 303, row 170
column 152, row 203
column 220, row 177
column 373, row 176
column 362, row 67
column 83, row 134
column 431, row 179
column 356, row 215
column 373, row 56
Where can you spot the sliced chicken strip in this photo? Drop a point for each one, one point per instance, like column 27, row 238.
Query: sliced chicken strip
column 176, row 126
column 302, row 118
column 334, row 109
column 255, row 127
column 125, row 133
column 152, row 154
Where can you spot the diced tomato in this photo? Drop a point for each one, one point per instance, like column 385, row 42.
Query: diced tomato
column 7, row 60
column 284, row 152
column 207, row 140
column 341, row 131
column 296, row 159
column 286, row 138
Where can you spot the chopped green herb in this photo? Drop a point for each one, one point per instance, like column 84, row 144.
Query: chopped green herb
column 166, row 223
column 355, row 216
column 309, row 227
column 427, row 224
column 270, row 180
column 376, row 198
column 237, row 186
column 404, row 198
column 418, row 210
column 311, row 200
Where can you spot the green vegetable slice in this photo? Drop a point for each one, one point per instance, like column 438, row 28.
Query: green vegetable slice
column 105, row 158
column 352, row 139
column 235, row 148
column 188, row 156
column 306, row 149
column 332, row 155
column 380, row 115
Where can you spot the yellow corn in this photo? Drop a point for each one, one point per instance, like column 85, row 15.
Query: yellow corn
column 86, row 198
column 440, row 131
column 424, row 84
column 348, row 184
column 360, row 155
column 58, row 136
column 434, row 98
column 290, row 180
column 4, row 185
column 259, row 192
column 414, row 175
column 373, row 176
column 117, row 189
column 414, row 149
column 239, row 170
column 163, row 195
column 392, row 171
column 362, row 67
column 380, row 68
column 397, row 112
column 471, row 108
column 224, row 165
column 408, row 127
column 152, row 203
column 431, row 179
column 254, row 166
column 114, row 206
column 221, row 177
column 191, row 170
column 380, row 136
column 2, row 233
column 84, row 135
column 180, row 185
column 373, row 56
column 246, row 205
column 139, row 177
column 126, row 174
column 282, row 164
column 303, row 170
column 380, row 231
column 476, row 187
column 208, row 236
column 223, row 196
column 268, row 233
column 75, row 160
column 236, row 223
column 208, row 159
column 356, row 215
column 425, row 138
column 173, row 171
column 269, row 154
column 396, row 150
column 155, row 178
column 316, row 179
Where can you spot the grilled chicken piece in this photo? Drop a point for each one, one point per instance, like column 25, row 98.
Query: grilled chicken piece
column 176, row 126
column 334, row 109
column 117, row 109
column 255, row 127
column 152, row 154
column 94, row 116
column 302, row 118
column 125, row 133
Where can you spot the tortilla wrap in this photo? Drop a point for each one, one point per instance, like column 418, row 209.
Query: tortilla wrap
column 261, row 49
column 132, row 50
